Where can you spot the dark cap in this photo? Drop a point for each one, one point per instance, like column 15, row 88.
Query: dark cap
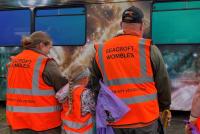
column 132, row 15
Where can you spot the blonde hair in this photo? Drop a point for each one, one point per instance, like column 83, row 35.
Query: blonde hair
column 78, row 72
column 34, row 39
column 78, row 75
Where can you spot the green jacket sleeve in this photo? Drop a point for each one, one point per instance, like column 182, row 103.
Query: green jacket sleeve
column 52, row 75
column 161, row 78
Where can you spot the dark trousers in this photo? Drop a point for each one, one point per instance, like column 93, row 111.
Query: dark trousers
column 56, row 130
column 151, row 129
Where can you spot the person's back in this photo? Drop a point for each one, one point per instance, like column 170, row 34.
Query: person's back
column 135, row 72
column 75, row 119
column 128, row 72
column 31, row 103
column 124, row 55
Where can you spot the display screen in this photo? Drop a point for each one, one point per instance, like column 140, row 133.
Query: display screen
column 66, row 26
column 183, row 63
column 14, row 24
column 176, row 23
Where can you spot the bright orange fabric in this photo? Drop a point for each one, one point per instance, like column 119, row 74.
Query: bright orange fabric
column 20, row 76
column 121, row 60
column 75, row 116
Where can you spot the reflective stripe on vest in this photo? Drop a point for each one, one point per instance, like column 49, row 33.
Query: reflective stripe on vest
column 35, row 91
column 35, row 83
column 25, row 109
column 76, row 125
column 121, row 81
column 139, row 99
column 89, row 131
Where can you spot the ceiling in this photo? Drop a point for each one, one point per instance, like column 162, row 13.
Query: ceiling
column 29, row 3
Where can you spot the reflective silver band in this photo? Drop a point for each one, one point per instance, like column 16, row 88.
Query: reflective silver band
column 90, row 131
column 76, row 125
column 36, row 73
column 100, row 52
column 142, row 54
column 139, row 99
column 35, row 92
column 27, row 109
column 129, row 80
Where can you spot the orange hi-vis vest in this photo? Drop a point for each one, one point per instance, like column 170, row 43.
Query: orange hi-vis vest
column 31, row 103
column 74, row 122
column 124, row 62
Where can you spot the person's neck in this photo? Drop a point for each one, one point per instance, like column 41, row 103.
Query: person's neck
column 134, row 33
column 37, row 50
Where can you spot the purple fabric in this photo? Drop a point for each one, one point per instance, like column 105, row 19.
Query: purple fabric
column 108, row 101
column 193, row 128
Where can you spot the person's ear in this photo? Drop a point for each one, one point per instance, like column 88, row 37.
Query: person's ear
column 141, row 27
column 41, row 45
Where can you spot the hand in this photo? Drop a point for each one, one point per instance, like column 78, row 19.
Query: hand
column 166, row 118
column 188, row 129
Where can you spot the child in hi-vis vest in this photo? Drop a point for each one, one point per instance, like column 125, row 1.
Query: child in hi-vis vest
column 77, row 101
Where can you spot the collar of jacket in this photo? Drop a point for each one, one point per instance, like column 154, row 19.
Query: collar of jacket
column 37, row 51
